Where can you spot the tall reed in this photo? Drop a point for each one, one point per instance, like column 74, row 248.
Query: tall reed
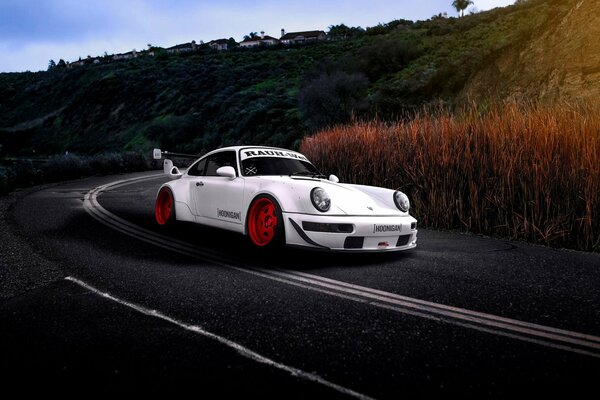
column 523, row 172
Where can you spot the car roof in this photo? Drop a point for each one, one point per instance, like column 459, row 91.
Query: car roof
column 238, row 148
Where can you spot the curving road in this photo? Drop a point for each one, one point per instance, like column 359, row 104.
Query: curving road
column 129, row 307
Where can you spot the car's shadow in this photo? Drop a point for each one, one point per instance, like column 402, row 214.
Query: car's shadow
column 239, row 249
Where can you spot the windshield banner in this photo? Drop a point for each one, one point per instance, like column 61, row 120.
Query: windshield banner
column 262, row 152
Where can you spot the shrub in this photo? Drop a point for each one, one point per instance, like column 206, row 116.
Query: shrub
column 4, row 180
column 135, row 161
column 107, row 163
column 64, row 167
column 386, row 56
column 23, row 173
column 333, row 98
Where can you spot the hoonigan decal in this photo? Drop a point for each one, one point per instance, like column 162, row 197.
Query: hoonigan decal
column 387, row 228
column 229, row 214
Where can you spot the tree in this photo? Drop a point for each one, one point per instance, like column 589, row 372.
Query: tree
column 251, row 35
column 231, row 43
column 333, row 98
column 461, row 6
column 381, row 29
column 51, row 65
column 343, row 32
column 385, row 56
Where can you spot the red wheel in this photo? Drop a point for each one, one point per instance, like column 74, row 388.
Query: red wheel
column 165, row 207
column 264, row 222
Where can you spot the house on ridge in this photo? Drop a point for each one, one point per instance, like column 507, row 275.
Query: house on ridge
column 259, row 40
column 126, row 56
column 302, row 37
column 219, row 44
column 182, row 48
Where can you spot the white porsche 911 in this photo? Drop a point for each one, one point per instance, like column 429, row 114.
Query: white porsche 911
column 276, row 197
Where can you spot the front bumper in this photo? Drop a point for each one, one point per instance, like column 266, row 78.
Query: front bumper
column 366, row 233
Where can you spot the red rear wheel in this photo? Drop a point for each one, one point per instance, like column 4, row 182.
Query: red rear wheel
column 164, row 209
column 264, row 222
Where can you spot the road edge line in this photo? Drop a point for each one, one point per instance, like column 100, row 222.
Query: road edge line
column 242, row 350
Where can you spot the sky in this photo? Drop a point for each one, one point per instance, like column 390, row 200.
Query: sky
column 32, row 32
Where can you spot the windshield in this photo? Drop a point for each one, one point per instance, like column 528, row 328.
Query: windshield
column 277, row 166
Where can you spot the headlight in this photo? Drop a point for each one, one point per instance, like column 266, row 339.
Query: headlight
column 401, row 201
column 320, row 199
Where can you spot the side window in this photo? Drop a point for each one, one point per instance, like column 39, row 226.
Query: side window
column 198, row 168
column 218, row 160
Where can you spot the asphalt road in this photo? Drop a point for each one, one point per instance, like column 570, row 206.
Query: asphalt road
column 195, row 309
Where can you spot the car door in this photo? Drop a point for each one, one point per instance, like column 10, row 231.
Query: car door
column 219, row 198
column 196, row 182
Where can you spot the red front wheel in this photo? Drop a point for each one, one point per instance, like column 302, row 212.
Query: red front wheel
column 265, row 223
column 165, row 207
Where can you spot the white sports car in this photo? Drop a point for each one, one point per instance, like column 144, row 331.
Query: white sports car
column 276, row 197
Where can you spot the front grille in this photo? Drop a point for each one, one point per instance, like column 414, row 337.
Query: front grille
column 320, row 227
column 403, row 240
column 354, row 242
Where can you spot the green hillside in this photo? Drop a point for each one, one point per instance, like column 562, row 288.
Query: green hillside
column 274, row 96
column 189, row 102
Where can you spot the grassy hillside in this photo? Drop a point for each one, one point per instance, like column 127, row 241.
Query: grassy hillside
column 561, row 62
column 272, row 96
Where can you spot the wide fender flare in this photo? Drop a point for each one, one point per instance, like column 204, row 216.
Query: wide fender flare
column 181, row 196
column 287, row 201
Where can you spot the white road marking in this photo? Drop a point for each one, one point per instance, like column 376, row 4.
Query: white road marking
column 469, row 315
column 449, row 308
column 534, row 333
column 244, row 351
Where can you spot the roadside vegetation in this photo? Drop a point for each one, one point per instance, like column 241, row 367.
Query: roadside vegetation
column 523, row 172
column 21, row 173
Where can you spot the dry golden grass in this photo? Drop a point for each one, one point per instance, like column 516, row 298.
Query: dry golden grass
column 523, row 172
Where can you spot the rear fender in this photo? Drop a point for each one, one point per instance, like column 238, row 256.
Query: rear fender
column 182, row 199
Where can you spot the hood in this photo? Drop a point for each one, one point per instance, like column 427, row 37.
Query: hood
column 345, row 199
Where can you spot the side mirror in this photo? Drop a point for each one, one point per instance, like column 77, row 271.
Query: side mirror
column 334, row 178
column 157, row 154
column 172, row 171
column 227, row 172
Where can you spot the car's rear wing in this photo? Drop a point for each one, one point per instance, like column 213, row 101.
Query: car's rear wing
column 157, row 154
column 168, row 167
